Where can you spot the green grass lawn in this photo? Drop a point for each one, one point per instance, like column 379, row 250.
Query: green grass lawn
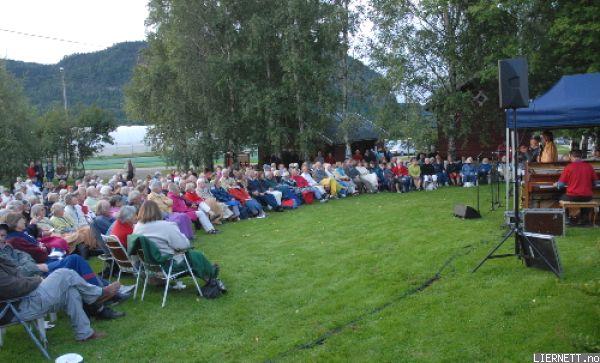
column 118, row 162
column 563, row 149
column 340, row 282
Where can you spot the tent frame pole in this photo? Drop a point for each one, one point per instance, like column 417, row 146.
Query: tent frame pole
column 507, row 175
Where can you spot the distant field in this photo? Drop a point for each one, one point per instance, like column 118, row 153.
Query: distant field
column 114, row 162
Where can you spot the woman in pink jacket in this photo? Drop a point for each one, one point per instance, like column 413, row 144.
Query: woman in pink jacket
column 180, row 206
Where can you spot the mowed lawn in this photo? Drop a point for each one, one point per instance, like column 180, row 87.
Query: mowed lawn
column 347, row 281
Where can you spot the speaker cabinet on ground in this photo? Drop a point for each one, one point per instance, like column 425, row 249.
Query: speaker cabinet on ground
column 513, row 82
column 546, row 246
column 466, row 212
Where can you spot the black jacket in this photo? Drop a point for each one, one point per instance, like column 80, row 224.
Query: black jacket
column 13, row 284
column 427, row 169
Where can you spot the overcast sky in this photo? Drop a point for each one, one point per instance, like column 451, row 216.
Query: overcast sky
column 94, row 24
column 84, row 25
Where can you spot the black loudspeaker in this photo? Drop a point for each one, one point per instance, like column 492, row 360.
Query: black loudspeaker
column 514, row 86
column 546, row 246
column 466, row 212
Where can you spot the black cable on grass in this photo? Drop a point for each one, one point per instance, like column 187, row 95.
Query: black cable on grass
column 465, row 250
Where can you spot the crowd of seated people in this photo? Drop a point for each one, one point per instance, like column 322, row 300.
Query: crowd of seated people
column 48, row 229
column 48, row 233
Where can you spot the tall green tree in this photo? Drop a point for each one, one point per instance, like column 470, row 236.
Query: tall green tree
column 221, row 75
column 442, row 52
column 75, row 136
column 421, row 46
column 16, row 129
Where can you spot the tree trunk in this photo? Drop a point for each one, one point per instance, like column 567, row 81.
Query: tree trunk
column 451, row 146
column 583, row 146
column 344, row 70
column 596, row 139
column 298, row 98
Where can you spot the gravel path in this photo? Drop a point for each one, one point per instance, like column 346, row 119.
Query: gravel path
column 139, row 172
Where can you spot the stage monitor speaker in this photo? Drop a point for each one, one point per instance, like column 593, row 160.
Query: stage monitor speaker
column 514, row 86
column 546, row 246
column 466, row 212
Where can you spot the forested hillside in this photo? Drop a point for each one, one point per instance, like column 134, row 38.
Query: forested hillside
column 98, row 78
column 91, row 78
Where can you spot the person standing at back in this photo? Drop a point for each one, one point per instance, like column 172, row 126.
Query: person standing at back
column 49, row 170
column 130, row 170
column 549, row 153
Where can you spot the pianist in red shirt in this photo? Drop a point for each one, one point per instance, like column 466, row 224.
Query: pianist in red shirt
column 579, row 178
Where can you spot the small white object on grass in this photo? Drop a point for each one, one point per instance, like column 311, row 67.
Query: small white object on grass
column 69, row 358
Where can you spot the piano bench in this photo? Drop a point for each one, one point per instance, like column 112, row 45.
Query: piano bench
column 594, row 206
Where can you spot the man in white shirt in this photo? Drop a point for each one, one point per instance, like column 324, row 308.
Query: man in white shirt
column 5, row 196
column 74, row 211
column 312, row 182
column 92, row 198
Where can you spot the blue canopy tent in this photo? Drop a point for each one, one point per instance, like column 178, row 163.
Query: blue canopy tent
column 572, row 102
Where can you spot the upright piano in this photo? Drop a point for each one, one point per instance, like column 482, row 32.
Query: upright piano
column 539, row 192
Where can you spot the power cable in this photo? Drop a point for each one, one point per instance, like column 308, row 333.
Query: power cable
column 49, row 37
column 463, row 251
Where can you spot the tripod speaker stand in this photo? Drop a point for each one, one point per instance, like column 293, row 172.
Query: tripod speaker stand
column 514, row 94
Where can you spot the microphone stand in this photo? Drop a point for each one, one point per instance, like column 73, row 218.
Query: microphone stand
column 478, row 182
column 494, row 179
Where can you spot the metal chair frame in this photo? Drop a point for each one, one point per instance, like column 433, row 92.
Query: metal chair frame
column 38, row 322
column 120, row 256
column 158, row 271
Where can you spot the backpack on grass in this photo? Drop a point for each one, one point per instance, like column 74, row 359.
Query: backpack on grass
column 211, row 290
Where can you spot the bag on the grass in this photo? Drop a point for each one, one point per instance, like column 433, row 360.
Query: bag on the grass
column 289, row 203
column 211, row 290
column 308, row 196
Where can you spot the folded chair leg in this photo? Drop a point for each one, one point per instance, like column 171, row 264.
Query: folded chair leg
column 137, row 282
column 2, row 332
column 41, row 327
column 164, row 301
column 119, row 278
column 39, row 345
column 145, row 283
column 193, row 276
column 112, row 267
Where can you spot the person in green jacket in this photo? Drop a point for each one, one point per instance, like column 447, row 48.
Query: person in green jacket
column 414, row 170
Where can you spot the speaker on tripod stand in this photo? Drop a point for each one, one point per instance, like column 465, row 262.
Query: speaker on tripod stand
column 514, row 93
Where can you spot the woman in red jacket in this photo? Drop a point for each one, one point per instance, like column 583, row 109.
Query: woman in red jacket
column 401, row 177
column 242, row 196
column 31, row 170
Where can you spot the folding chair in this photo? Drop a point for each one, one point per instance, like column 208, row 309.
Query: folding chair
column 38, row 322
column 119, row 255
column 107, row 258
column 164, row 267
column 157, row 271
